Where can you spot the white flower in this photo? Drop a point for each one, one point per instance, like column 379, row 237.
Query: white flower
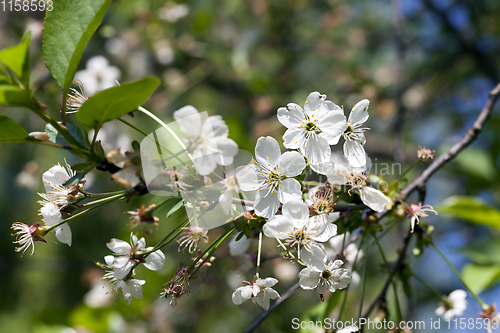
column 76, row 98
column 259, row 292
column 98, row 296
column 354, row 134
column 191, row 236
column 330, row 277
column 129, row 255
column 271, row 176
column 298, row 229
column 26, row 236
column 208, row 139
column 98, row 75
column 453, row 305
column 418, row 211
column 313, row 129
column 346, row 175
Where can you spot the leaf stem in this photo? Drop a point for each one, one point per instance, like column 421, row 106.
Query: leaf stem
column 479, row 300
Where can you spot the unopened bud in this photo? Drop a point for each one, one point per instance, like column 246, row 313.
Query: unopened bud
column 42, row 136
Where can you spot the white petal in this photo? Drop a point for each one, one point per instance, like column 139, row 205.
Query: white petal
column 359, row 113
column 247, row 177
column 309, row 279
column 291, row 163
column 267, row 151
column 63, row 234
column 237, row 298
column 56, row 175
column 314, row 259
column 278, row 227
column 267, row 282
column 355, row 154
column 296, row 210
column 317, row 150
column 189, row 120
column 323, row 229
column 213, row 127
column 332, row 217
column 373, row 198
column 155, row 261
column 289, row 189
column 333, row 125
column 239, row 247
column 118, row 246
column 225, row 201
column 458, row 295
column 246, row 292
column 122, row 271
column 268, row 206
column 339, row 175
column 204, row 160
column 51, row 214
column 315, row 103
column 291, row 117
column 272, row 294
column 227, row 150
column 262, row 300
column 294, row 138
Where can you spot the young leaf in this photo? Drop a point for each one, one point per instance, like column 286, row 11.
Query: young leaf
column 55, row 137
column 10, row 131
column 75, row 179
column 115, row 102
column 175, row 208
column 66, row 31
column 14, row 96
column 16, row 59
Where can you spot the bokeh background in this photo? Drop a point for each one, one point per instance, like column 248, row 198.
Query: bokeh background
column 425, row 65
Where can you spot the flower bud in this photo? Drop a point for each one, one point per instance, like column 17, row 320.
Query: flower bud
column 42, row 136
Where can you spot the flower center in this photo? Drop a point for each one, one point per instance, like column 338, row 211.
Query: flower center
column 326, row 274
column 312, row 128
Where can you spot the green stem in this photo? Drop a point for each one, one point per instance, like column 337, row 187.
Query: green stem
column 98, row 201
column 479, row 300
column 211, row 248
column 394, row 286
column 408, row 170
column 101, row 203
column 173, row 155
column 437, row 293
column 363, row 286
column 165, row 126
column 171, row 236
column 259, row 252
column 93, row 195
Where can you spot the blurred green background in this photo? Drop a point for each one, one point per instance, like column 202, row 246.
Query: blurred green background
column 425, row 65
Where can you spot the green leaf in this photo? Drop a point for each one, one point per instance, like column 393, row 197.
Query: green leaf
column 175, row 208
column 10, row 131
column 16, row 58
column 14, row 96
column 66, row 31
column 84, row 167
column 478, row 163
column 484, row 252
column 115, row 102
column 471, row 210
column 479, row 277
